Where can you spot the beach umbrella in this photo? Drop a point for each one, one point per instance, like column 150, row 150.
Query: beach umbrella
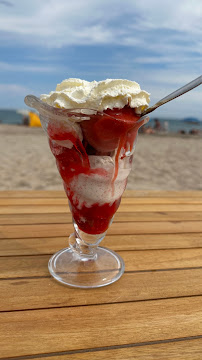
column 34, row 120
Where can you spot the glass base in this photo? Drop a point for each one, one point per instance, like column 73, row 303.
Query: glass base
column 69, row 268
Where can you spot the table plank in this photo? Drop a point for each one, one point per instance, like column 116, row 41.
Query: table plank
column 49, row 245
column 127, row 228
column 127, row 193
column 177, row 349
column 63, row 329
column 26, row 266
column 31, row 293
column 65, row 218
column 44, row 209
column 153, row 311
column 124, row 201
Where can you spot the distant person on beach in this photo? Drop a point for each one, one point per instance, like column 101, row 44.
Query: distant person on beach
column 194, row 132
column 166, row 126
column 147, row 130
column 25, row 120
column 31, row 120
column 157, row 125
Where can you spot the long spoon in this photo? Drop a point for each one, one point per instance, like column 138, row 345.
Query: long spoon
column 175, row 94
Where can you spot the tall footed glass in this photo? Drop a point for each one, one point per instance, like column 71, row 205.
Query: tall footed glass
column 93, row 152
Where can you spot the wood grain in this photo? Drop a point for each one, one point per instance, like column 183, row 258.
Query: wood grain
column 127, row 193
column 49, row 245
column 179, row 349
column 44, row 209
column 26, row 266
column 125, row 201
column 153, row 312
column 29, row 293
column 124, row 228
column 74, row 328
column 65, row 218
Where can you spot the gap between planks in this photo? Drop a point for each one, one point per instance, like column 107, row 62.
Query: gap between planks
column 122, row 228
column 120, row 324
column 65, row 218
column 127, row 193
column 179, row 349
column 124, row 208
column 50, row 245
column 125, row 201
column 36, row 265
column 35, row 293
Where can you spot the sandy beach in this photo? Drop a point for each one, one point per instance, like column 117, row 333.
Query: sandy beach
column 160, row 161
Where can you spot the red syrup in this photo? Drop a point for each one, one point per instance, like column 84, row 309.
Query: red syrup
column 94, row 219
column 104, row 134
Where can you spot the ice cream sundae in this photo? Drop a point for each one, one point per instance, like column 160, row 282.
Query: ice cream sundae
column 91, row 128
column 91, row 150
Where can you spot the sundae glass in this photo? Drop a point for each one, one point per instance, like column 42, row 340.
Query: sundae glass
column 93, row 151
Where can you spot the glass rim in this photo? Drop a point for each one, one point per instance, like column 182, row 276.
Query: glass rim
column 45, row 109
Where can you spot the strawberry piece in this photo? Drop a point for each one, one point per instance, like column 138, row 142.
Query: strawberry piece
column 103, row 132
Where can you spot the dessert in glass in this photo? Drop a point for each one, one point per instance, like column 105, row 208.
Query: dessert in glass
column 92, row 128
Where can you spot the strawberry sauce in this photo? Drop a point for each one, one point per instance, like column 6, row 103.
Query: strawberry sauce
column 111, row 133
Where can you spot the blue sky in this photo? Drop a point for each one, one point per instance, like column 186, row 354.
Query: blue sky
column 156, row 43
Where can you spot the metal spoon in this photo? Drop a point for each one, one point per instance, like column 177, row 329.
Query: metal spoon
column 175, row 94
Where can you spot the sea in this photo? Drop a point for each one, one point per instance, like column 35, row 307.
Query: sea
column 170, row 124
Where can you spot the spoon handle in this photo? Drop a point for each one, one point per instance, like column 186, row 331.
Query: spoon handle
column 175, row 94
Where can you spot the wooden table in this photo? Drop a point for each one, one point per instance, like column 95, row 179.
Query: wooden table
column 153, row 312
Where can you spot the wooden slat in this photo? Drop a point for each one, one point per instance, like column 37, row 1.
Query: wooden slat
column 21, row 294
column 162, row 193
column 52, row 330
column 31, row 209
column 125, row 228
column 26, row 266
column 32, row 194
column 125, row 201
column 153, row 312
column 22, row 231
column 178, row 349
column 49, row 245
column 63, row 218
column 160, row 200
column 44, row 209
column 20, row 219
column 127, row 193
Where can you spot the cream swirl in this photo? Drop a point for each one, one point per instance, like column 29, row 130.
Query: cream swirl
column 101, row 95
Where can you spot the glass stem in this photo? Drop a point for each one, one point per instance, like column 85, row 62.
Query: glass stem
column 81, row 249
column 85, row 245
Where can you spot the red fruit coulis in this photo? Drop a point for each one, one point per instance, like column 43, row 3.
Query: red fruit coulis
column 103, row 134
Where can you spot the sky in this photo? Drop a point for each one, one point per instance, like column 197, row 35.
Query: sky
column 153, row 42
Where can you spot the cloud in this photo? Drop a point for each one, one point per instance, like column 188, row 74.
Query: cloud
column 6, row 3
column 24, row 68
column 166, row 59
column 55, row 24
column 13, row 89
column 59, row 23
column 12, row 95
column 158, row 44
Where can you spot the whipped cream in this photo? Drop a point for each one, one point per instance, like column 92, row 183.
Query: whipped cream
column 101, row 95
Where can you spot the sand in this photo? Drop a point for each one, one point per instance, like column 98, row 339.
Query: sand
column 161, row 162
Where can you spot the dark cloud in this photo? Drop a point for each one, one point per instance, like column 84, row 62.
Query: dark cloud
column 6, row 3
